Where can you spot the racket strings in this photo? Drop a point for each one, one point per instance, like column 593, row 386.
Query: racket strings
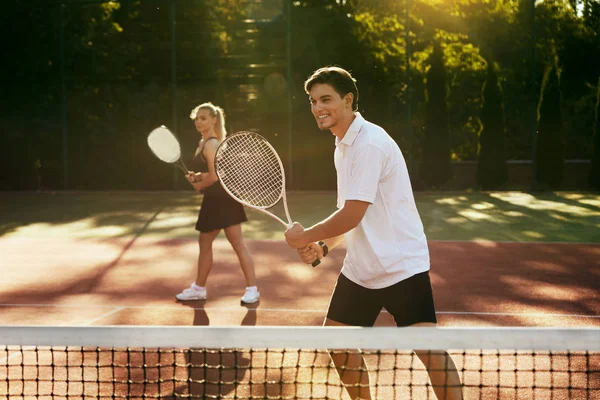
column 250, row 170
column 268, row 163
column 164, row 145
column 260, row 182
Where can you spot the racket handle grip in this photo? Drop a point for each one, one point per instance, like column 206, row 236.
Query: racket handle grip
column 316, row 262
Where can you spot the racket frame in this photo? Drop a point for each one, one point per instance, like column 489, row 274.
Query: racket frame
column 282, row 195
column 179, row 162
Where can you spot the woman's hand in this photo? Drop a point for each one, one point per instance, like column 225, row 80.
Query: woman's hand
column 193, row 177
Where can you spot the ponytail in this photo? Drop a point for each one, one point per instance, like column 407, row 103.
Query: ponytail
column 220, row 125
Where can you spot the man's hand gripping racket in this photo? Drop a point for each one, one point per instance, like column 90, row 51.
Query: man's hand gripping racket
column 250, row 171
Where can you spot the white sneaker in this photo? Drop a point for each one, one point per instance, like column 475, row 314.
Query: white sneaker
column 251, row 296
column 192, row 294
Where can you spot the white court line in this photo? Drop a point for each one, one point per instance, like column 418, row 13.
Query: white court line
column 476, row 240
column 507, row 314
column 5, row 359
column 117, row 308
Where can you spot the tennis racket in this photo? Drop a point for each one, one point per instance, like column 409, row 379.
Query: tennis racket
column 251, row 172
column 165, row 147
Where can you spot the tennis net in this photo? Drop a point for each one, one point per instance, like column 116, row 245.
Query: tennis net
column 204, row 362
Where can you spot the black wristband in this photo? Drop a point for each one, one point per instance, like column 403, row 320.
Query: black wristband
column 324, row 247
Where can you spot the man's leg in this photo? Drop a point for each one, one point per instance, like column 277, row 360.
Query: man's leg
column 442, row 371
column 411, row 303
column 351, row 368
column 352, row 305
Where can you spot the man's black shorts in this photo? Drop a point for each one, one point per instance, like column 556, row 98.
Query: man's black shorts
column 409, row 301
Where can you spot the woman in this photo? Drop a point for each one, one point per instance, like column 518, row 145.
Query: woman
column 218, row 210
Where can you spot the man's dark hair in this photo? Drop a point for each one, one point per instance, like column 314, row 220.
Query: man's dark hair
column 339, row 79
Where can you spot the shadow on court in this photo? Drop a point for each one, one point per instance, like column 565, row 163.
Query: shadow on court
column 100, row 283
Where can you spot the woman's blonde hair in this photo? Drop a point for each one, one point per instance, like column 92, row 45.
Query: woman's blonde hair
column 215, row 111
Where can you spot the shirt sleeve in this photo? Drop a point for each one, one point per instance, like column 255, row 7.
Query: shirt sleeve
column 365, row 173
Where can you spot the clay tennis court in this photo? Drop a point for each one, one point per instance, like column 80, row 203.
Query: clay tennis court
column 133, row 282
column 131, row 279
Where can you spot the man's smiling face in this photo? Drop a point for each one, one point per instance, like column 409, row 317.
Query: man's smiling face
column 329, row 108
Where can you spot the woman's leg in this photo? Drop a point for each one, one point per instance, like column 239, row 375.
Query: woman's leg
column 235, row 237
column 205, row 255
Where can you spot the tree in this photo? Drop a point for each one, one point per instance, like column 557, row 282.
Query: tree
column 550, row 142
column 435, row 164
column 116, row 74
column 492, row 171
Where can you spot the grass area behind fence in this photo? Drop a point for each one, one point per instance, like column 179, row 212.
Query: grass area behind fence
column 495, row 216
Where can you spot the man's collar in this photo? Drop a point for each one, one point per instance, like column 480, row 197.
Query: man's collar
column 352, row 131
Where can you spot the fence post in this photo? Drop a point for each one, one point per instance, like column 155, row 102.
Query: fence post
column 409, row 132
column 534, row 100
column 290, row 82
column 63, row 98
column 173, row 22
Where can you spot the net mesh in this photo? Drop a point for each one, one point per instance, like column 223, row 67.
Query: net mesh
column 146, row 370
column 164, row 145
column 250, row 170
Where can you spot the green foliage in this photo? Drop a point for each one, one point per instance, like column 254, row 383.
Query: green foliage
column 550, row 141
column 492, row 171
column 118, row 77
column 383, row 36
column 435, row 165
column 30, row 105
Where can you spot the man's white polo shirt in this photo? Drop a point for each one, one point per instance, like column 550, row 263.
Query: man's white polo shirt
column 389, row 244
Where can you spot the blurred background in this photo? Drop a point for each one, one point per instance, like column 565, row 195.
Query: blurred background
column 479, row 94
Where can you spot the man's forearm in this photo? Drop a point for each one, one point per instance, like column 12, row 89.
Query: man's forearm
column 331, row 228
column 333, row 242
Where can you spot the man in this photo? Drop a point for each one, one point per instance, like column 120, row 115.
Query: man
column 387, row 260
